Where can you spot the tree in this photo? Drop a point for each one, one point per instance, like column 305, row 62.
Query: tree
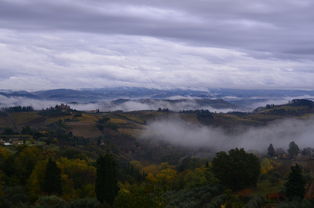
column 24, row 162
column 52, row 179
column 295, row 186
column 135, row 196
column 293, row 149
column 81, row 175
column 236, row 169
column 271, row 151
column 106, row 186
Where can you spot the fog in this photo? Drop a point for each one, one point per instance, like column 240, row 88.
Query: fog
column 21, row 101
column 137, row 105
column 175, row 103
column 107, row 106
column 178, row 132
column 41, row 104
column 275, row 101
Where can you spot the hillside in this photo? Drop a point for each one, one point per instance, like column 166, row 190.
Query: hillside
column 179, row 169
column 123, row 129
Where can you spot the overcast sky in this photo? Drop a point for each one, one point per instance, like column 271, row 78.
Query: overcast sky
column 201, row 44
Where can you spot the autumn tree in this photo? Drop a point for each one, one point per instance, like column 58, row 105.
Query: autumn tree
column 24, row 161
column 52, row 179
column 81, row 176
column 106, row 186
column 236, row 169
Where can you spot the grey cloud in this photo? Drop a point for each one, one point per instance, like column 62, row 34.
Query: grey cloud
column 164, row 44
column 283, row 28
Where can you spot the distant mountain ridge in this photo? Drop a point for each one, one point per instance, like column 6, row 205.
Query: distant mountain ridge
column 78, row 95
column 149, row 98
column 93, row 95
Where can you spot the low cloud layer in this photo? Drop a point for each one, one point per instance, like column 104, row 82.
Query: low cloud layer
column 6, row 102
column 137, row 105
column 106, row 106
column 279, row 133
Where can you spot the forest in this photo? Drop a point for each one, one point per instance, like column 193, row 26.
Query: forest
column 63, row 158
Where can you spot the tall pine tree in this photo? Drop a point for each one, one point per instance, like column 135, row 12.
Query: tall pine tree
column 52, row 183
column 271, row 151
column 106, row 186
column 295, row 186
column 293, row 149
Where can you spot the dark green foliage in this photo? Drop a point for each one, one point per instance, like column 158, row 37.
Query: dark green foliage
column 295, row 186
column 191, row 163
column 137, row 197
column 27, row 130
column 50, row 202
column 296, row 204
column 204, row 116
column 72, row 153
column 8, row 131
column 58, row 110
column 293, row 149
column 217, row 201
column 128, row 173
column 271, row 151
column 227, row 200
column 106, row 186
column 18, row 109
column 52, row 183
column 302, row 102
column 236, row 169
column 308, row 151
column 13, row 196
column 85, row 203
column 255, row 202
column 192, row 198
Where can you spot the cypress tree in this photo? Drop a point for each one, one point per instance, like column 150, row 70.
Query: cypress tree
column 52, row 180
column 271, row 151
column 295, row 186
column 293, row 149
column 106, row 186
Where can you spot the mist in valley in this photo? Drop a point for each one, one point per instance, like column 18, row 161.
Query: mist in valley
column 111, row 105
column 6, row 102
column 138, row 105
column 280, row 133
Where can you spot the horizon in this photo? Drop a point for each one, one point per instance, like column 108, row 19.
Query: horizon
column 161, row 89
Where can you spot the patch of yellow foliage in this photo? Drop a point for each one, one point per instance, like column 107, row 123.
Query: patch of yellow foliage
column 267, row 165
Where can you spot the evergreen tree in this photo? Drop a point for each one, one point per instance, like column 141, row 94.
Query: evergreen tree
column 52, row 180
column 295, row 186
column 271, row 151
column 293, row 149
column 236, row 169
column 106, row 186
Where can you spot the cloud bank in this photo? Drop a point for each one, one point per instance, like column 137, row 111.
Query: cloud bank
column 279, row 133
